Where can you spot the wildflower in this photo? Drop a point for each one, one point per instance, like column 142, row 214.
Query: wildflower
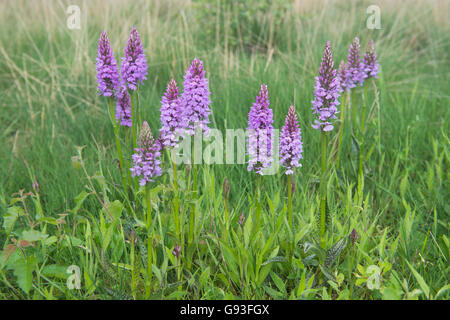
column 291, row 146
column 35, row 186
column 107, row 71
column 355, row 67
column 326, row 92
column 176, row 251
column 195, row 98
column 370, row 61
column 259, row 143
column 354, row 236
column 344, row 82
column 241, row 219
column 134, row 65
column 171, row 118
column 123, row 107
column 146, row 159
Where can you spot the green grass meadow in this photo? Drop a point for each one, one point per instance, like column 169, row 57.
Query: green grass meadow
column 62, row 201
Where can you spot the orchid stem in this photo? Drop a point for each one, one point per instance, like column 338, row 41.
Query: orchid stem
column 323, row 190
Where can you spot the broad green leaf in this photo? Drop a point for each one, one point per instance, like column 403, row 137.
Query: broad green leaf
column 115, row 209
column 263, row 273
column 274, row 259
column 6, row 253
column 204, row 277
column 50, row 240
column 302, row 284
column 88, row 282
column 176, row 295
column 79, row 199
column 420, row 280
column 442, row 291
column 56, row 271
column 391, row 293
column 23, row 270
column 122, row 265
column 327, row 274
column 273, row 293
column 334, row 251
column 360, row 281
column 278, row 282
column 10, row 217
column 34, row 235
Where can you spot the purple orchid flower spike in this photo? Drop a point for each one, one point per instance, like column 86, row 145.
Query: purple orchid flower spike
column 355, row 67
column 146, row 160
column 291, row 146
column 134, row 65
column 195, row 99
column 107, row 72
column 326, row 92
column 123, row 107
column 370, row 61
column 171, row 116
column 260, row 127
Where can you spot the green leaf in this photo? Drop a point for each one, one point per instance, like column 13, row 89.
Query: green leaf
column 115, row 208
column 176, row 294
column 360, row 281
column 55, row 271
column 273, row 293
column 10, row 217
column 442, row 290
column 108, row 235
column 8, row 250
column 334, row 251
column 327, row 274
column 89, row 284
column 274, row 259
column 204, row 277
column 278, row 282
column 391, row 293
column 302, row 284
column 263, row 273
column 33, row 235
column 79, row 199
column 23, row 270
column 420, row 280
column 50, row 240
column 355, row 146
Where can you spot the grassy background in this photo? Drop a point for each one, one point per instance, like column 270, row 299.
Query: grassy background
column 49, row 106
